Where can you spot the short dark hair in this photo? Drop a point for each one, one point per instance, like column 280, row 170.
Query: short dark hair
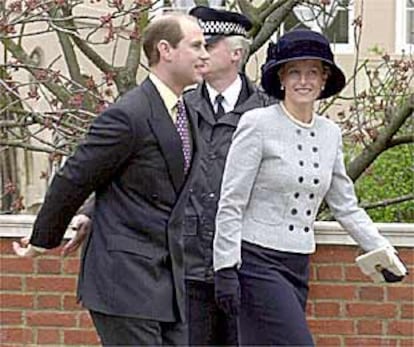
column 167, row 27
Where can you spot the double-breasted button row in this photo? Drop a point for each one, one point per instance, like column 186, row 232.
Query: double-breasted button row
column 292, row 228
column 301, row 179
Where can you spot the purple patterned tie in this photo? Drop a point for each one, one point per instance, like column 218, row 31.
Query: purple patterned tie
column 182, row 128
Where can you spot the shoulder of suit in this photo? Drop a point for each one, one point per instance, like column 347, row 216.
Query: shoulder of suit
column 328, row 123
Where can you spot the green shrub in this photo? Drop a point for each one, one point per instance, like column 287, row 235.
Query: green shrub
column 390, row 176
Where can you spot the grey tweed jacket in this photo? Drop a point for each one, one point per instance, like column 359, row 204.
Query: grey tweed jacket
column 277, row 174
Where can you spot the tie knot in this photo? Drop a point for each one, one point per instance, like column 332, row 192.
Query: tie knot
column 219, row 98
column 180, row 106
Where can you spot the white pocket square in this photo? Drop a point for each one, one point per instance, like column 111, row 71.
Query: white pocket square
column 385, row 258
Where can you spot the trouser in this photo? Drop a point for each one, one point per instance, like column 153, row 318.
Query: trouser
column 274, row 289
column 129, row 331
column 207, row 324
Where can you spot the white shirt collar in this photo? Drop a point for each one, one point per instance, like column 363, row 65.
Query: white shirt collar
column 231, row 95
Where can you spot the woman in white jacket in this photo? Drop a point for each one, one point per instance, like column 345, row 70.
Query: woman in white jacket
column 283, row 162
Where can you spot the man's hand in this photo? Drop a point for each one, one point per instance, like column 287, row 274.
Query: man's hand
column 82, row 226
column 25, row 249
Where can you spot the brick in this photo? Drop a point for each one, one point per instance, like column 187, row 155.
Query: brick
column 369, row 327
column 49, row 301
column 71, row 266
column 77, row 337
column 398, row 293
column 16, row 265
column 407, row 343
column 371, row 342
column 51, row 284
column 85, row 320
column 327, row 309
column 335, row 254
column 407, row 311
column 55, row 319
column 310, row 309
column 49, row 266
column 400, row 327
column 330, row 273
column 6, row 246
column 331, row 326
column 10, row 283
column 70, row 303
column 11, row 317
column 47, row 336
column 371, row 310
column 372, row 293
column 328, row 341
column 325, row 291
column 354, row 274
column 407, row 255
column 16, row 300
column 21, row 336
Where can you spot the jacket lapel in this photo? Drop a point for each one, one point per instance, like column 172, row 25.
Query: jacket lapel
column 166, row 134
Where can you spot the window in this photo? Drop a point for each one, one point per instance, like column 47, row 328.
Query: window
column 335, row 22
column 405, row 26
column 184, row 5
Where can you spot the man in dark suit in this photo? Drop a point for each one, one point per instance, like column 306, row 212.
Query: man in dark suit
column 138, row 158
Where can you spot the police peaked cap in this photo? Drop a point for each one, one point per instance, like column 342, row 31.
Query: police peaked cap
column 218, row 23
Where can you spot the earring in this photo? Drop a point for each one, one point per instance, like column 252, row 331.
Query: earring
column 282, row 87
column 323, row 88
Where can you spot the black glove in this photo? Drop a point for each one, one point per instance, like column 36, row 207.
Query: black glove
column 227, row 290
column 391, row 277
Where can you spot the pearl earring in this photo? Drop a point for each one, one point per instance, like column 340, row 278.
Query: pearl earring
column 323, row 88
column 282, row 87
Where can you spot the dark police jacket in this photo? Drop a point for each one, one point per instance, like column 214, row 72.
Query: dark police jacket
column 215, row 139
column 133, row 260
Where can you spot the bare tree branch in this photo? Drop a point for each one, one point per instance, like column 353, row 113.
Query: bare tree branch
column 357, row 166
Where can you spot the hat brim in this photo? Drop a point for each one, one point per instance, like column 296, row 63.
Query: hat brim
column 271, row 82
column 212, row 39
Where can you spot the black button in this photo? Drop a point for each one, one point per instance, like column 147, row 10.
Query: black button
column 300, row 179
column 312, row 134
column 298, row 131
column 311, row 196
column 301, row 162
column 316, row 181
column 315, row 165
column 300, row 147
column 294, row 211
column 315, row 149
column 306, row 229
column 308, row 212
column 291, row 227
column 296, row 195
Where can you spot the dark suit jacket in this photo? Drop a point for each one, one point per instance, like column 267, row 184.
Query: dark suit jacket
column 132, row 158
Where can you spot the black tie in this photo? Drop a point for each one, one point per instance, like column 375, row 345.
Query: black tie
column 220, row 110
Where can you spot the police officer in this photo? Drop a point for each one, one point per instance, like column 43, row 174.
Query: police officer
column 218, row 102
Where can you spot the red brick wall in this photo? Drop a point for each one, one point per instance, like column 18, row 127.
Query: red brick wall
column 38, row 305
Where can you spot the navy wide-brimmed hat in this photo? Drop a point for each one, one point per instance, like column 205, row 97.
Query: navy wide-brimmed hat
column 217, row 24
column 300, row 44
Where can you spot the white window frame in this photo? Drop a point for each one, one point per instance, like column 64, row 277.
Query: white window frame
column 338, row 48
column 160, row 9
column 401, row 28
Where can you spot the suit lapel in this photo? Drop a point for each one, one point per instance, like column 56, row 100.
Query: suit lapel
column 166, row 134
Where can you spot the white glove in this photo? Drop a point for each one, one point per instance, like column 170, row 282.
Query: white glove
column 382, row 265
